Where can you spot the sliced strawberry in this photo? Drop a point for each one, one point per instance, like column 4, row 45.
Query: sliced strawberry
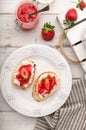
column 19, row 77
column 40, row 87
column 49, row 76
column 23, row 82
column 53, row 81
column 29, row 67
column 47, row 84
column 24, row 74
column 25, row 71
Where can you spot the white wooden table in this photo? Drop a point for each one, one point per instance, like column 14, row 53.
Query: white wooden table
column 10, row 40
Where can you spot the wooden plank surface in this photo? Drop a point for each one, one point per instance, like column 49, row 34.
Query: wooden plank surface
column 9, row 6
column 15, row 121
column 11, row 39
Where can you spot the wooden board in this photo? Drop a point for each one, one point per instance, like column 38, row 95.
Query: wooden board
column 74, row 34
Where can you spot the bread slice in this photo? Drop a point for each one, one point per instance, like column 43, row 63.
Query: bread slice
column 18, row 76
column 41, row 93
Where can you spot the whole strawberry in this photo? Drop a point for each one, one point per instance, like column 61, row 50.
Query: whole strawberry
column 70, row 17
column 81, row 4
column 48, row 32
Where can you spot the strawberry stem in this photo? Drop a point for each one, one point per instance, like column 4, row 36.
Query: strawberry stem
column 69, row 22
column 48, row 27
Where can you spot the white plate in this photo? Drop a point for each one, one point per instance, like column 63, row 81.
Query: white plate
column 45, row 1
column 46, row 59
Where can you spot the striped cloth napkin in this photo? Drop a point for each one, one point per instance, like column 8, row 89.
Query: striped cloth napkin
column 71, row 116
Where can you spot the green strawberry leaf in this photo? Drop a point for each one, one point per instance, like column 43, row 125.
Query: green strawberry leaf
column 64, row 21
column 80, row 1
column 78, row 5
column 48, row 27
column 69, row 22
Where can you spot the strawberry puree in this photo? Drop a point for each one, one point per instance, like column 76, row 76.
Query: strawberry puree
column 28, row 22
column 24, row 10
column 45, row 87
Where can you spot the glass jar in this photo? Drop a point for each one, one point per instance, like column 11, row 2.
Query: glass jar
column 23, row 19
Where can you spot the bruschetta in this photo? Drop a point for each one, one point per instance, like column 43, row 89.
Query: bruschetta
column 23, row 74
column 45, row 85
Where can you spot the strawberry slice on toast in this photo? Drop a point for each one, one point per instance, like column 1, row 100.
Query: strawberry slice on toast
column 23, row 74
column 45, row 85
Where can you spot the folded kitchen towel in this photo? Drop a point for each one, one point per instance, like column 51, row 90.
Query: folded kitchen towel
column 71, row 116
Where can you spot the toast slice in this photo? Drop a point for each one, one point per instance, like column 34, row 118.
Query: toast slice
column 23, row 74
column 45, row 85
